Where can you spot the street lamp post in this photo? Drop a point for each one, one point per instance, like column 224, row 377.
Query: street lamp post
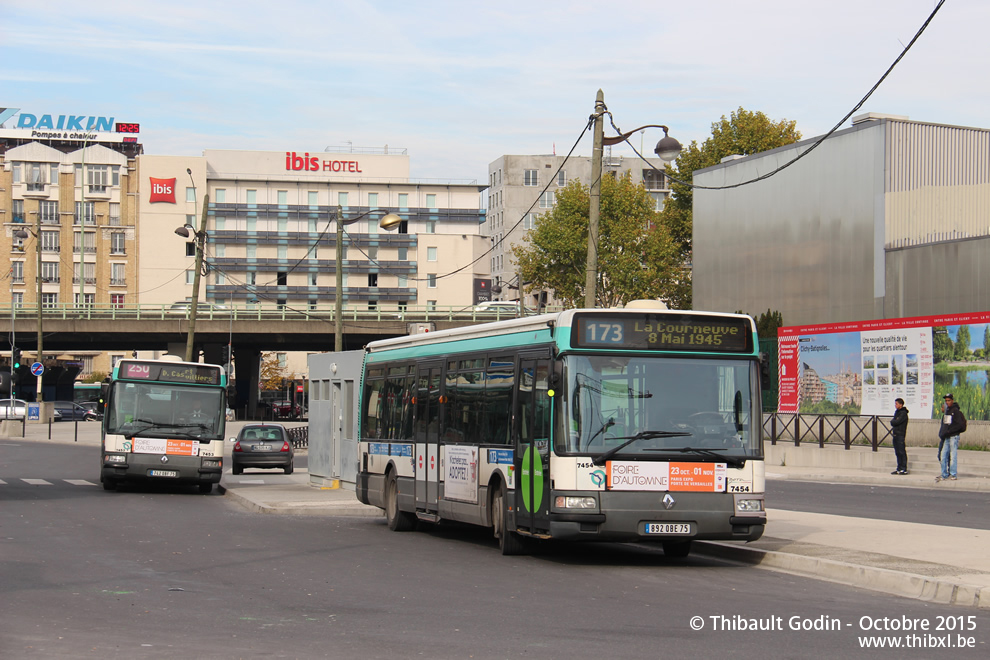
column 23, row 234
column 667, row 149
column 200, row 241
column 388, row 222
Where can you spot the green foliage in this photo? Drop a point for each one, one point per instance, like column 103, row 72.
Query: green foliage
column 745, row 133
column 962, row 343
column 942, row 348
column 826, row 407
column 95, row 377
column 767, row 323
column 273, row 374
column 636, row 259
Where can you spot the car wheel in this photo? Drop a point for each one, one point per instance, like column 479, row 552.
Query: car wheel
column 288, row 468
column 236, row 469
column 509, row 542
column 398, row 521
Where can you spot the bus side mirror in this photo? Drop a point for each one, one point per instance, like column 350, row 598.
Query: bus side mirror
column 764, row 371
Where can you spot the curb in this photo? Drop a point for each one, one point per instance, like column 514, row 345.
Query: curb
column 907, row 585
column 317, row 508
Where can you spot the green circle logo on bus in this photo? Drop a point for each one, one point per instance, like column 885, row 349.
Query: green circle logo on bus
column 531, row 478
column 598, row 477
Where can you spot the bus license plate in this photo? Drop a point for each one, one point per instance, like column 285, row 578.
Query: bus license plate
column 668, row 528
column 162, row 473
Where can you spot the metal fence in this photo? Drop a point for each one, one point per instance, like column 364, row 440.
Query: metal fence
column 846, row 430
column 299, row 436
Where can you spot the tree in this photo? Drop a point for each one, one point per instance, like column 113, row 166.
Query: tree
column 744, row 133
column 962, row 343
column 272, row 376
column 942, row 348
column 636, row 257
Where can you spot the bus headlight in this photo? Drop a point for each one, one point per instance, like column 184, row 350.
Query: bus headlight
column 749, row 505
column 211, row 462
column 562, row 502
column 114, row 458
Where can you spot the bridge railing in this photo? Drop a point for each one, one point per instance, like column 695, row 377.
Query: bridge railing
column 826, row 429
column 322, row 313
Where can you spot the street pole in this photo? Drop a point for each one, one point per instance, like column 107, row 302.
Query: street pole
column 37, row 246
column 338, row 303
column 82, row 228
column 591, row 275
column 200, row 248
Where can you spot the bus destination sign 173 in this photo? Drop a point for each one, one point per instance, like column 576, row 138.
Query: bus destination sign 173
column 700, row 333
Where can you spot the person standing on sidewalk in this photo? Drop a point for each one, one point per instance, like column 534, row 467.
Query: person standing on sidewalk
column 898, row 429
column 953, row 423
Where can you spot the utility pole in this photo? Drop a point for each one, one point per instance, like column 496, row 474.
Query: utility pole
column 591, row 279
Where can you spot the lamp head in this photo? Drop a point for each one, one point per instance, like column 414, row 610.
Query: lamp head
column 182, row 231
column 390, row 221
column 667, row 148
column 20, row 233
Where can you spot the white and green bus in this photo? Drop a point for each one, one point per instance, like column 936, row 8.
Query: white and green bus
column 636, row 424
column 164, row 421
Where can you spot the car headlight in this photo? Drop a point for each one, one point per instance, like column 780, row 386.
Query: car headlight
column 562, row 502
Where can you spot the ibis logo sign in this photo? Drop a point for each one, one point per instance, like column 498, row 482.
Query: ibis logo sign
column 162, row 190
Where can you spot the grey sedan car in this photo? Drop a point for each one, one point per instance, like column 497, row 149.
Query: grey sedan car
column 262, row 446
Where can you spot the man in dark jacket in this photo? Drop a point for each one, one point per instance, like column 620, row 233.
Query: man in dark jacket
column 898, row 429
column 953, row 424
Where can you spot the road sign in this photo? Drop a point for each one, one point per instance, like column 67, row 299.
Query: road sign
column 37, row 368
column 34, row 412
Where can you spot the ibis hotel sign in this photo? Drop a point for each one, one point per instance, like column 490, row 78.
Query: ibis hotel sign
column 306, row 163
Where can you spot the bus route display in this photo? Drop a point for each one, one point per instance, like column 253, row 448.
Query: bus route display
column 663, row 332
column 169, row 373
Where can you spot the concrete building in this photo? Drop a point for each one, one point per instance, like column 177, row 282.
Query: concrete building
column 74, row 192
column 889, row 218
column 521, row 188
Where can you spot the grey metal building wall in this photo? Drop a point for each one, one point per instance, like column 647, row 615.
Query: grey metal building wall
column 887, row 219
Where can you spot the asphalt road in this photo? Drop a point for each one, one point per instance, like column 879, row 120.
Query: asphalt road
column 155, row 573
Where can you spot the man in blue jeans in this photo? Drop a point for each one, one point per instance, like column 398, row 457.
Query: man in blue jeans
column 953, row 423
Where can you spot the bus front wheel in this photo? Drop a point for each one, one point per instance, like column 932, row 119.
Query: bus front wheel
column 509, row 542
column 398, row 521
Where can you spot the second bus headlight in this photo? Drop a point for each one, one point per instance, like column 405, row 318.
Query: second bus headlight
column 562, row 502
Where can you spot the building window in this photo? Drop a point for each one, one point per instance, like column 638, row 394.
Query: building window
column 250, row 277
column 190, row 194
column 49, row 212
column 403, row 200
column 49, row 272
column 372, row 227
column 431, row 281
column 546, row 200
column 117, row 300
column 49, row 300
column 252, row 196
column 220, row 223
column 191, row 249
column 114, row 214
column 431, row 305
column 431, row 254
column 115, row 175
column 118, row 275
column 220, row 278
column 221, row 195
column 654, row 180
column 342, row 199
column 313, row 279
column 283, row 197
column 403, row 254
column 89, row 273
column 18, row 300
column 17, row 271
column 312, row 198
column 219, row 249
column 98, row 178
column 401, row 281
column 252, row 251
column 372, row 200
column 85, row 213
column 431, row 226
column 283, row 358
column 49, row 241
column 35, row 176
column 18, row 210
column 190, row 276
column 531, row 177
column 87, row 363
column 562, row 178
column 527, row 222
column 373, row 279
column 283, row 252
column 282, row 278
column 431, row 201
column 117, row 243
column 658, row 200
column 87, row 299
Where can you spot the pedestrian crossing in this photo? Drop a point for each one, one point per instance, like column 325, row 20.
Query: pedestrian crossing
column 46, row 482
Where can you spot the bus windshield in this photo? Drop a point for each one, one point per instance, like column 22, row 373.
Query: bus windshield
column 160, row 410
column 661, row 407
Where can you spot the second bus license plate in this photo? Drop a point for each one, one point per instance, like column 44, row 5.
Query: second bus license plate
column 162, row 473
column 668, row 528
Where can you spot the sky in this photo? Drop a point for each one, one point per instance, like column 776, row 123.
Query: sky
column 458, row 84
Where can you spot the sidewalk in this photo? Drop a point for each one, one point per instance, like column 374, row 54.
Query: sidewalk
column 904, row 559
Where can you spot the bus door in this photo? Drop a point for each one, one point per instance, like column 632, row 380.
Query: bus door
column 531, row 438
column 427, row 435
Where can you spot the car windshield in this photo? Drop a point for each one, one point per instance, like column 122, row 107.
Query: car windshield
column 159, row 410
column 661, row 407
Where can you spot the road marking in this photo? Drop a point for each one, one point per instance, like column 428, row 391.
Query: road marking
column 2, row 482
column 250, row 481
column 79, row 482
column 37, row 482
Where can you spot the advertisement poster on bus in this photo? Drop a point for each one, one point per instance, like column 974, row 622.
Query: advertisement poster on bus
column 860, row 368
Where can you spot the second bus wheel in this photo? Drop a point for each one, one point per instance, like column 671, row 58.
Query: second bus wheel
column 509, row 542
column 398, row 521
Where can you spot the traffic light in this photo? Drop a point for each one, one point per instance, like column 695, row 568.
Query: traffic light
column 15, row 358
column 225, row 354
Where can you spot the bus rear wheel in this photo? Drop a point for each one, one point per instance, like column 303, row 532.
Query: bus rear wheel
column 398, row 521
column 206, row 489
column 108, row 484
column 509, row 542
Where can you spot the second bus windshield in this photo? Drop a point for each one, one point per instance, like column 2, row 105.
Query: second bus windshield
column 709, row 404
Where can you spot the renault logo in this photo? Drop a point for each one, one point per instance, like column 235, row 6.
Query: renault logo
column 668, row 501
column 165, row 460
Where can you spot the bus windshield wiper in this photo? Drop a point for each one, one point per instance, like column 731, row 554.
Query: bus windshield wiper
column 642, row 435
column 732, row 460
column 606, row 426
